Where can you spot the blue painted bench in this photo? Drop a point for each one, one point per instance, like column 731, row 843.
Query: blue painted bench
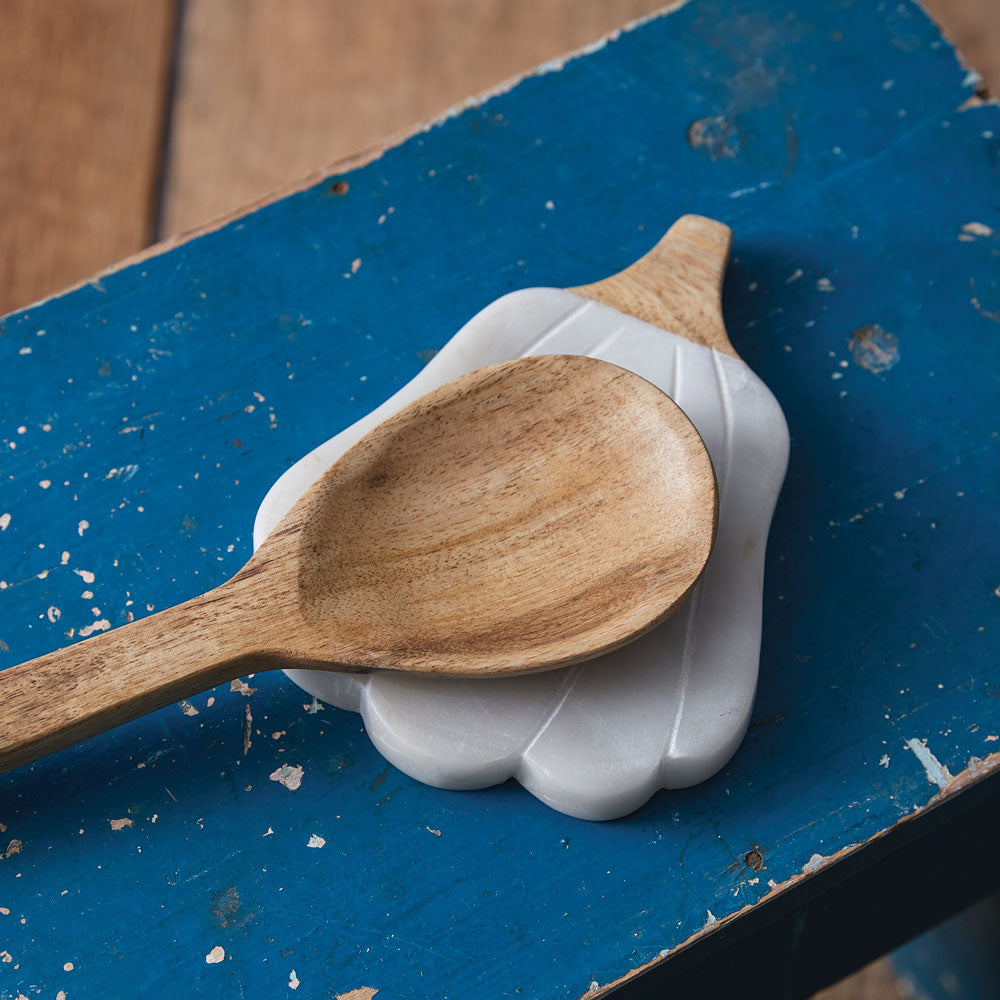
column 144, row 414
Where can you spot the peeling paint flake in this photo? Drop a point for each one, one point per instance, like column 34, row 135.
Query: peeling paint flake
column 874, row 349
column 977, row 229
column 293, row 980
column 288, row 775
column 187, row 708
column 125, row 473
column 247, row 729
column 740, row 192
column 716, row 136
column 315, row 840
column 361, row 993
column 4, row 521
column 937, row 773
column 216, row 955
column 120, row 824
column 240, row 686
column 99, row 626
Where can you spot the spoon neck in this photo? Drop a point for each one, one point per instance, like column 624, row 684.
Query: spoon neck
column 73, row 693
column 677, row 286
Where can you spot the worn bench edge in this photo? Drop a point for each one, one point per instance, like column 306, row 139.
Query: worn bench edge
column 974, row 775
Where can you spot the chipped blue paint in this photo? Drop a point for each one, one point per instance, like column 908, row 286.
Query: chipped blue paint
column 936, row 773
column 160, row 402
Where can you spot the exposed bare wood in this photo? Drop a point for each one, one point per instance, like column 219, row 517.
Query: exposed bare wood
column 82, row 90
column 974, row 28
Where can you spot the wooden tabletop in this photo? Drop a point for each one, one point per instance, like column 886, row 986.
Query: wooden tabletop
column 249, row 841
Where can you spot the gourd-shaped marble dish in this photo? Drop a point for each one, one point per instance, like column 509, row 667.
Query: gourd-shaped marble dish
column 596, row 740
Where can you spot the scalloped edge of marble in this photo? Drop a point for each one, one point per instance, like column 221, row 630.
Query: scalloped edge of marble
column 585, row 739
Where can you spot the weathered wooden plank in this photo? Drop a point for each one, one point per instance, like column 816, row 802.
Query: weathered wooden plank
column 82, row 89
column 873, row 210
column 974, row 28
column 846, row 914
column 269, row 92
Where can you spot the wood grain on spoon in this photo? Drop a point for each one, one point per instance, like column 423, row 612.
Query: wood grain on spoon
column 677, row 286
column 522, row 517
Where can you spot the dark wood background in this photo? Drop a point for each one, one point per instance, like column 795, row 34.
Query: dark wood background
column 124, row 123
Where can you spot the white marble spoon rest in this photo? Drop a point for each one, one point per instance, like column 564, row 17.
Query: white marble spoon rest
column 596, row 740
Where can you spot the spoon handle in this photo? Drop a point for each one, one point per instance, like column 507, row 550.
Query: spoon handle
column 63, row 697
column 677, row 286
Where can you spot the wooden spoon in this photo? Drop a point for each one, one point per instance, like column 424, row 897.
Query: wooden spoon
column 525, row 516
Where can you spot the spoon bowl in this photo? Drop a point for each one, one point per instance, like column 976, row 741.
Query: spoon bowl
column 522, row 517
column 525, row 516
